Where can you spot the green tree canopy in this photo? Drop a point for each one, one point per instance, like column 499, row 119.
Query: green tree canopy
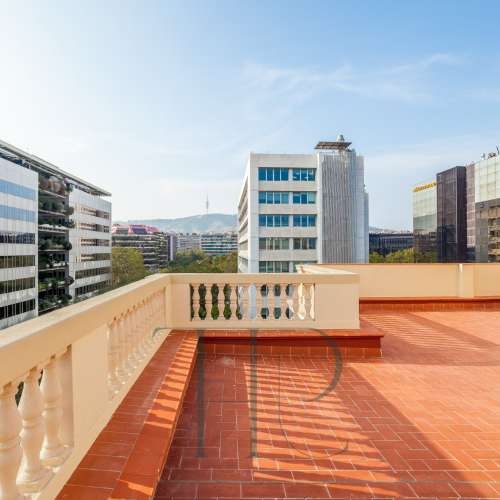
column 127, row 265
column 195, row 261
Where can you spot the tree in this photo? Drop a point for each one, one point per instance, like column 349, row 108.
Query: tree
column 127, row 265
column 401, row 256
column 195, row 261
column 376, row 258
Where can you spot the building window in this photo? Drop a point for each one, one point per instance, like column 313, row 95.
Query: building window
column 16, row 285
column 304, row 174
column 17, row 238
column 273, row 220
column 95, row 256
column 17, row 190
column 274, row 266
column 15, row 213
column 304, row 198
column 273, row 197
column 304, row 220
column 15, row 309
column 85, row 273
column 9, row 261
column 304, row 243
column 273, row 174
column 274, row 243
column 83, row 290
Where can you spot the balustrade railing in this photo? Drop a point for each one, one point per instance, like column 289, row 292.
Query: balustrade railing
column 62, row 375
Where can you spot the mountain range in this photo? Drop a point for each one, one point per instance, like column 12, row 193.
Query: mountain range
column 202, row 224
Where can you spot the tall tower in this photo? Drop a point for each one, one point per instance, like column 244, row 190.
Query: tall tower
column 207, row 204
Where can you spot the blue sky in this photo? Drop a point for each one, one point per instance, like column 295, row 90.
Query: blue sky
column 161, row 102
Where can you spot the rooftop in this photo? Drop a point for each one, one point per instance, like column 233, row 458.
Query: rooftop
column 345, row 381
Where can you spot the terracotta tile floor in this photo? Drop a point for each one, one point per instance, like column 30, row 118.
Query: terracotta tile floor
column 423, row 421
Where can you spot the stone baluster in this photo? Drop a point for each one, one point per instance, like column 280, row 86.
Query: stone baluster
column 122, row 368
column 283, row 301
column 307, row 300
column 132, row 359
column 10, row 443
column 139, row 323
column 113, row 358
column 196, row 301
column 221, row 303
column 295, row 301
column 233, row 301
column 310, row 304
column 53, row 452
column 65, row 368
column 244, row 301
column 33, row 476
column 274, row 301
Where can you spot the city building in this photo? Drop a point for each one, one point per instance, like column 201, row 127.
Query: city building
column 219, row 243
column 188, row 241
column 55, row 244
column 487, row 208
column 451, row 215
column 386, row 242
column 425, row 221
column 157, row 248
column 303, row 208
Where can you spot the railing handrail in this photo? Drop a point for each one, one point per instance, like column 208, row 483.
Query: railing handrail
column 24, row 345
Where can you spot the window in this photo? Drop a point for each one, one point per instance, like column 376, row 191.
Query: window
column 304, row 198
column 17, row 285
column 303, row 174
column 304, row 220
column 17, row 213
column 273, row 220
column 17, row 238
column 9, row 261
column 15, row 309
column 304, row 243
column 273, row 174
column 95, row 287
column 274, row 243
column 85, row 273
column 273, row 197
column 274, row 266
column 17, row 190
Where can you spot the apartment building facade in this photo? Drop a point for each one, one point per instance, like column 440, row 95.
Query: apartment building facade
column 219, row 243
column 156, row 247
column 303, row 208
column 42, row 244
column 188, row 241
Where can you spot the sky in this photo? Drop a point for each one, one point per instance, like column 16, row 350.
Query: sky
column 160, row 102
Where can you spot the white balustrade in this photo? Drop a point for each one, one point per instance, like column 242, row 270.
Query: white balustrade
column 89, row 355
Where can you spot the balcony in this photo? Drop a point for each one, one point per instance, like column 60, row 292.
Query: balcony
column 260, row 386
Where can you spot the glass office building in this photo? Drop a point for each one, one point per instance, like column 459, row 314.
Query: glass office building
column 425, row 221
column 487, row 208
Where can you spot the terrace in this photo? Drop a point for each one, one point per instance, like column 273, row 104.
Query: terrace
column 345, row 381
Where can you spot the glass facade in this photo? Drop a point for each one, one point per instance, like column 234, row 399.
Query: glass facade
column 304, row 174
column 451, row 215
column 274, row 266
column 273, row 174
column 304, row 198
column 274, row 243
column 304, row 220
column 273, row 197
column 304, row 243
column 16, row 285
column 7, row 261
column 15, row 213
column 425, row 222
column 18, row 190
column 15, row 309
column 273, row 220
column 17, row 238
column 487, row 209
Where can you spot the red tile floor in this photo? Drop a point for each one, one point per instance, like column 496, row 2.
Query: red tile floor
column 423, row 421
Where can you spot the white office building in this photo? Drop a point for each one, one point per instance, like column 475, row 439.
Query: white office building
column 303, row 208
column 55, row 242
column 219, row 243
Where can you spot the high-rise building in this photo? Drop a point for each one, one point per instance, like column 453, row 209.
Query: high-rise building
column 386, row 242
column 188, row 241
column 451, row 220
column 219, row 243
column 425, row 221
column 303, row 208
column 157, row 247
column 487, row 208
column 55, row 244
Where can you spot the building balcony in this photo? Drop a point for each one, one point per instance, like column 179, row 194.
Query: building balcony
column 260, row 386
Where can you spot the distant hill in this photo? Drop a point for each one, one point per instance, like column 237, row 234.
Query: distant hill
column 194, row 224
column 203, row 224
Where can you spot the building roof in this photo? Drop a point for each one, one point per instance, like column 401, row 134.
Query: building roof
column 13, row 153
column 134, row 229
column 339, row 144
